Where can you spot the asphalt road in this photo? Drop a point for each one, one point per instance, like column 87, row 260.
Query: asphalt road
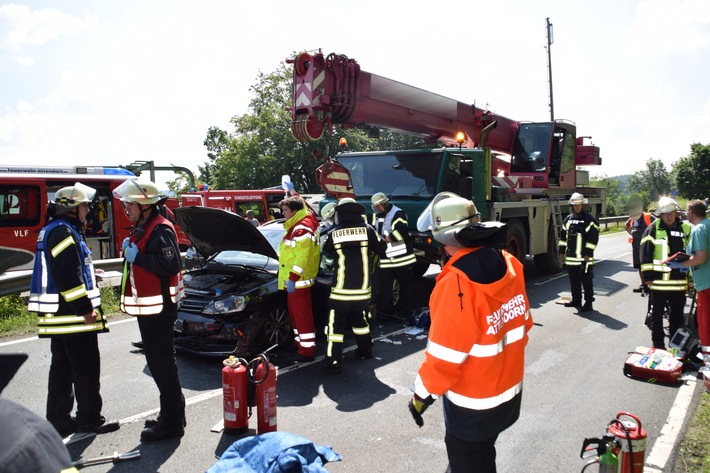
column 574, row 385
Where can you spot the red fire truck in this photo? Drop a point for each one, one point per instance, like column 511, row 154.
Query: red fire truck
column 26, row 190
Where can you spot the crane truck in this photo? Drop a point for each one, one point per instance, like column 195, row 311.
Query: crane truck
column 517, row 172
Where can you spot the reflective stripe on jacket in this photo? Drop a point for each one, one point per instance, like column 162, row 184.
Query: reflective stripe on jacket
column 664, row 243
column 578, row 238
column 141, row 292
column 299, row 251
column 45, row 296
column 476, row 350
column 394, row 225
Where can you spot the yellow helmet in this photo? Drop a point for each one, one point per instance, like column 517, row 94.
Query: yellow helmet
column 140, row 192
column 70, row 197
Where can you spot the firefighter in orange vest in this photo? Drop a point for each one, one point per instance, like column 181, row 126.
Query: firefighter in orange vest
column 151, row 288
column 635, row 226
column 480, row 318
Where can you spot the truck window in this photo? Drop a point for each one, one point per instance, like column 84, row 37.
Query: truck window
column 531, row 148
column 452, row 176
column 396, row 174
column 20, row 206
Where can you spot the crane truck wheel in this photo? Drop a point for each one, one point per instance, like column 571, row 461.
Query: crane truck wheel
column 550, row 261
column 516, row 243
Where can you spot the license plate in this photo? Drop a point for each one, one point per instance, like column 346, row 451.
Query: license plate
column 179, row 324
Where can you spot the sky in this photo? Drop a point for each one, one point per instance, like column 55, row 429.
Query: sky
column 108, row 82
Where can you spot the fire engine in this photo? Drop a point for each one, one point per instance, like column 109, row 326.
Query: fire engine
column 517, row 172
column 26, row 190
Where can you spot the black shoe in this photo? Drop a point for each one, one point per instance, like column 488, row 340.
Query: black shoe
column 161, row 431
column 100, row 427
column 573, row 304
column 587, row 307
column 638, row 289
column 305, row 359
column 66, row 429
column 154, row 422
column 363, row 354
column 332, row 366
column 138, row 344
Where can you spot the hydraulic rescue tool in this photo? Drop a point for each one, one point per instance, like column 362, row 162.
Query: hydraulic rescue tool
column 116, row 457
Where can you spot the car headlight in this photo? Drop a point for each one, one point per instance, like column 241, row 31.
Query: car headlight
column 225, row 305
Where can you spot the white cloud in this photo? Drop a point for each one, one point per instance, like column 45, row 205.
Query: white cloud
column 27, row 27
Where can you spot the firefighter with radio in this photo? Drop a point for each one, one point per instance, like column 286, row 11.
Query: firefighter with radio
column 578, row 240
column 665, row 237
column 66, row 299
column 635, row 226
column 349, row 248
column 299, row 258
column 480, row 319
column 151, row 288
column 390, row 222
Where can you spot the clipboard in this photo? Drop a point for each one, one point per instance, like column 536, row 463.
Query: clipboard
column 678, row 258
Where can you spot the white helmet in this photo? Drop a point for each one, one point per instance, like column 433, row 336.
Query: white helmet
column 328, row 210
column 70, row 197
column 140, row 192
column 349, row 205
column 379, row 199
column 446, row 215
column 666, row 204
column 577, row 199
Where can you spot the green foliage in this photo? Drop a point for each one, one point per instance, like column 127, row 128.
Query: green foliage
column 652, row 182
column 615, row 199
column 691, row 174
column 694, row 455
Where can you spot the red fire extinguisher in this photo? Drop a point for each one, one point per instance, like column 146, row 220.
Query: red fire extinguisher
column 262, row 393
column 632, row 438
column 234, row 391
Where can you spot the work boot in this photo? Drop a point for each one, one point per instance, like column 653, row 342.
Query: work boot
column 154, row 422
column 98, row 427
column 587, row 307
column 161, row 431
column 65, row 429
column 138, row 344
column 576, row 304
column 332, row 366
column 363, row 354
column 638, row 289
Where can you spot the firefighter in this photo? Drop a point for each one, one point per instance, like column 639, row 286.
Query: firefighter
column 350, row 247
column 635, row 226
column 66, row 298
column 299, row 257
column 151, row 288
column 390, row 222
column 665, row 237
column 578, row 240
column 480, row 319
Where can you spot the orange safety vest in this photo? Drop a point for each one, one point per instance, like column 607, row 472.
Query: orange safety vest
column 140, row 289
column 476, row 350
column 629, row 223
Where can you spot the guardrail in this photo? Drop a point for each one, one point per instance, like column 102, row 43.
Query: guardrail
column 19, row 281
column 617, row 219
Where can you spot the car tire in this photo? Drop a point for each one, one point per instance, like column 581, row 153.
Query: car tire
column 276, row 327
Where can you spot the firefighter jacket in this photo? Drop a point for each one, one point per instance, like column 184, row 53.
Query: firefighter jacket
column 393, row 227
column 475, row 356
column 155, row 276
column 352, row 246
column 299, row 251
column 63, row 285
column 578, row 238
column 658, row 243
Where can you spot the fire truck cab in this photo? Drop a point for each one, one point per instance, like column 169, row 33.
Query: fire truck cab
column 26, row 190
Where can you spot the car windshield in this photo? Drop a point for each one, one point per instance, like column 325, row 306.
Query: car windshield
column 274, row 233
column 395, row 173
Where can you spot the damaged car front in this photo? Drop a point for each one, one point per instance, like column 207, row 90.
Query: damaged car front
column 232, row 304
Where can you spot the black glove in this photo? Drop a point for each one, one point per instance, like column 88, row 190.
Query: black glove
column 417, row 406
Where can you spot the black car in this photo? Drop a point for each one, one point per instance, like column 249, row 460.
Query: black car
column 232, row 304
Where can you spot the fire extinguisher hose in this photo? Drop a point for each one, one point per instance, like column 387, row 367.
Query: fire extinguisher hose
column 253, row 365
column 628, row 440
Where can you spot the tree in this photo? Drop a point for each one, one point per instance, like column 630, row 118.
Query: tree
column 652, row 182
column 615, row 199
column 692, row 173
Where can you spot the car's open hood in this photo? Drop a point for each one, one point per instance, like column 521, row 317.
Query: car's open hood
column 214, row 230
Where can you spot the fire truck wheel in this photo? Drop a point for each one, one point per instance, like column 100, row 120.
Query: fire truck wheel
column 516, row 245
column 549, row 262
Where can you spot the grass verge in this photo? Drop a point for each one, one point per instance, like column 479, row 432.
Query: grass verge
column 694, row 453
